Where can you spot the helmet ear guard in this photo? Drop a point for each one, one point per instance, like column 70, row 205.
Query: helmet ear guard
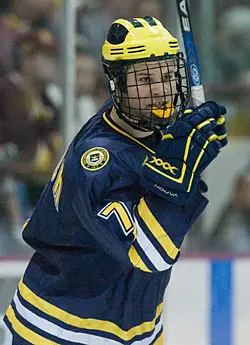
column 116, row 80
column 105, row 67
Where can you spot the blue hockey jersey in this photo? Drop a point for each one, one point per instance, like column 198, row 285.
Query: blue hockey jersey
column 104, row 246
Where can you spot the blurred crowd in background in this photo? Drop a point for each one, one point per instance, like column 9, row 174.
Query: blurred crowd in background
column 31, row 101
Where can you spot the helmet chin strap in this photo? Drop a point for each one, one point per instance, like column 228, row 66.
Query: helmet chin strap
column 123, row 115
column 130, row 122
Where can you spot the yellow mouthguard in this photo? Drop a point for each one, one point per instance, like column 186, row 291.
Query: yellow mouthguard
column 164, row 113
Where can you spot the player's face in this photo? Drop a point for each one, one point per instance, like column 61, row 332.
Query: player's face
column 150, row 85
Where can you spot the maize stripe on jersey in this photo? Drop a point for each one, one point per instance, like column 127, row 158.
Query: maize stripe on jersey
column 59, row 332
column 24, row 332
column 150, row 251
column 136, row 260
column 91, row 324
column 159, row 341
column 157, row 230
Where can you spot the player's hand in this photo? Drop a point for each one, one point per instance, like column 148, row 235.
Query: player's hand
column 220, row 129
column 186, row 149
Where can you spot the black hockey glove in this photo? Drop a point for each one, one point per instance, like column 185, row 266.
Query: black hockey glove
column 186, row 149
column 221, row 131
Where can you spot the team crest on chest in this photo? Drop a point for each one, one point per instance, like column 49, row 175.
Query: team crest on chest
column 95, row 158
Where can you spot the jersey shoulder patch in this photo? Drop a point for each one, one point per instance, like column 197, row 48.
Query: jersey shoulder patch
column 95, row 158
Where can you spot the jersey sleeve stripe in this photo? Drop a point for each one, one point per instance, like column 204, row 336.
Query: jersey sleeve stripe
column 144, row 257
column 136, row 260
column 156, row 229
column 149, row 250
column 154, row 242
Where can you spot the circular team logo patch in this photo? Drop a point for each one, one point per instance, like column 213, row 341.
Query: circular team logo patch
column 95, row 158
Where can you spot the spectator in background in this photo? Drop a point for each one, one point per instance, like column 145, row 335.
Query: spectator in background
column 233, row 45
column 232, row 231
column 94, row 22
column 152, row 7
column 86, row 93
column 28, row 119
column 86, row 81
column 94, row 18
column 20, row 18
column 4, row 6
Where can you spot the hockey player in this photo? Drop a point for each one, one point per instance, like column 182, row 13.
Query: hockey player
column 109, row 225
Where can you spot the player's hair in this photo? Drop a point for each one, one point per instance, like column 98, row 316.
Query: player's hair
column 144, row 40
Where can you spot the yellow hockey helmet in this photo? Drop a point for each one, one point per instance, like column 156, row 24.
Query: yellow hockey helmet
column 138, row 39
column 146, row 42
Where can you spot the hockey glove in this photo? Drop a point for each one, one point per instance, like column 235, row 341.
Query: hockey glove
column 186, row 149
column 220, row 129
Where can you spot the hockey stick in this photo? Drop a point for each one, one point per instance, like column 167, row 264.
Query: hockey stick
column 191, row 54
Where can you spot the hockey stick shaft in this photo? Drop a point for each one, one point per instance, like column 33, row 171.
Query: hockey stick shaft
column 191, row 54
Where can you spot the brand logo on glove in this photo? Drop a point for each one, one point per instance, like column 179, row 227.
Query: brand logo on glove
column 175, row 195
column 165, row 165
